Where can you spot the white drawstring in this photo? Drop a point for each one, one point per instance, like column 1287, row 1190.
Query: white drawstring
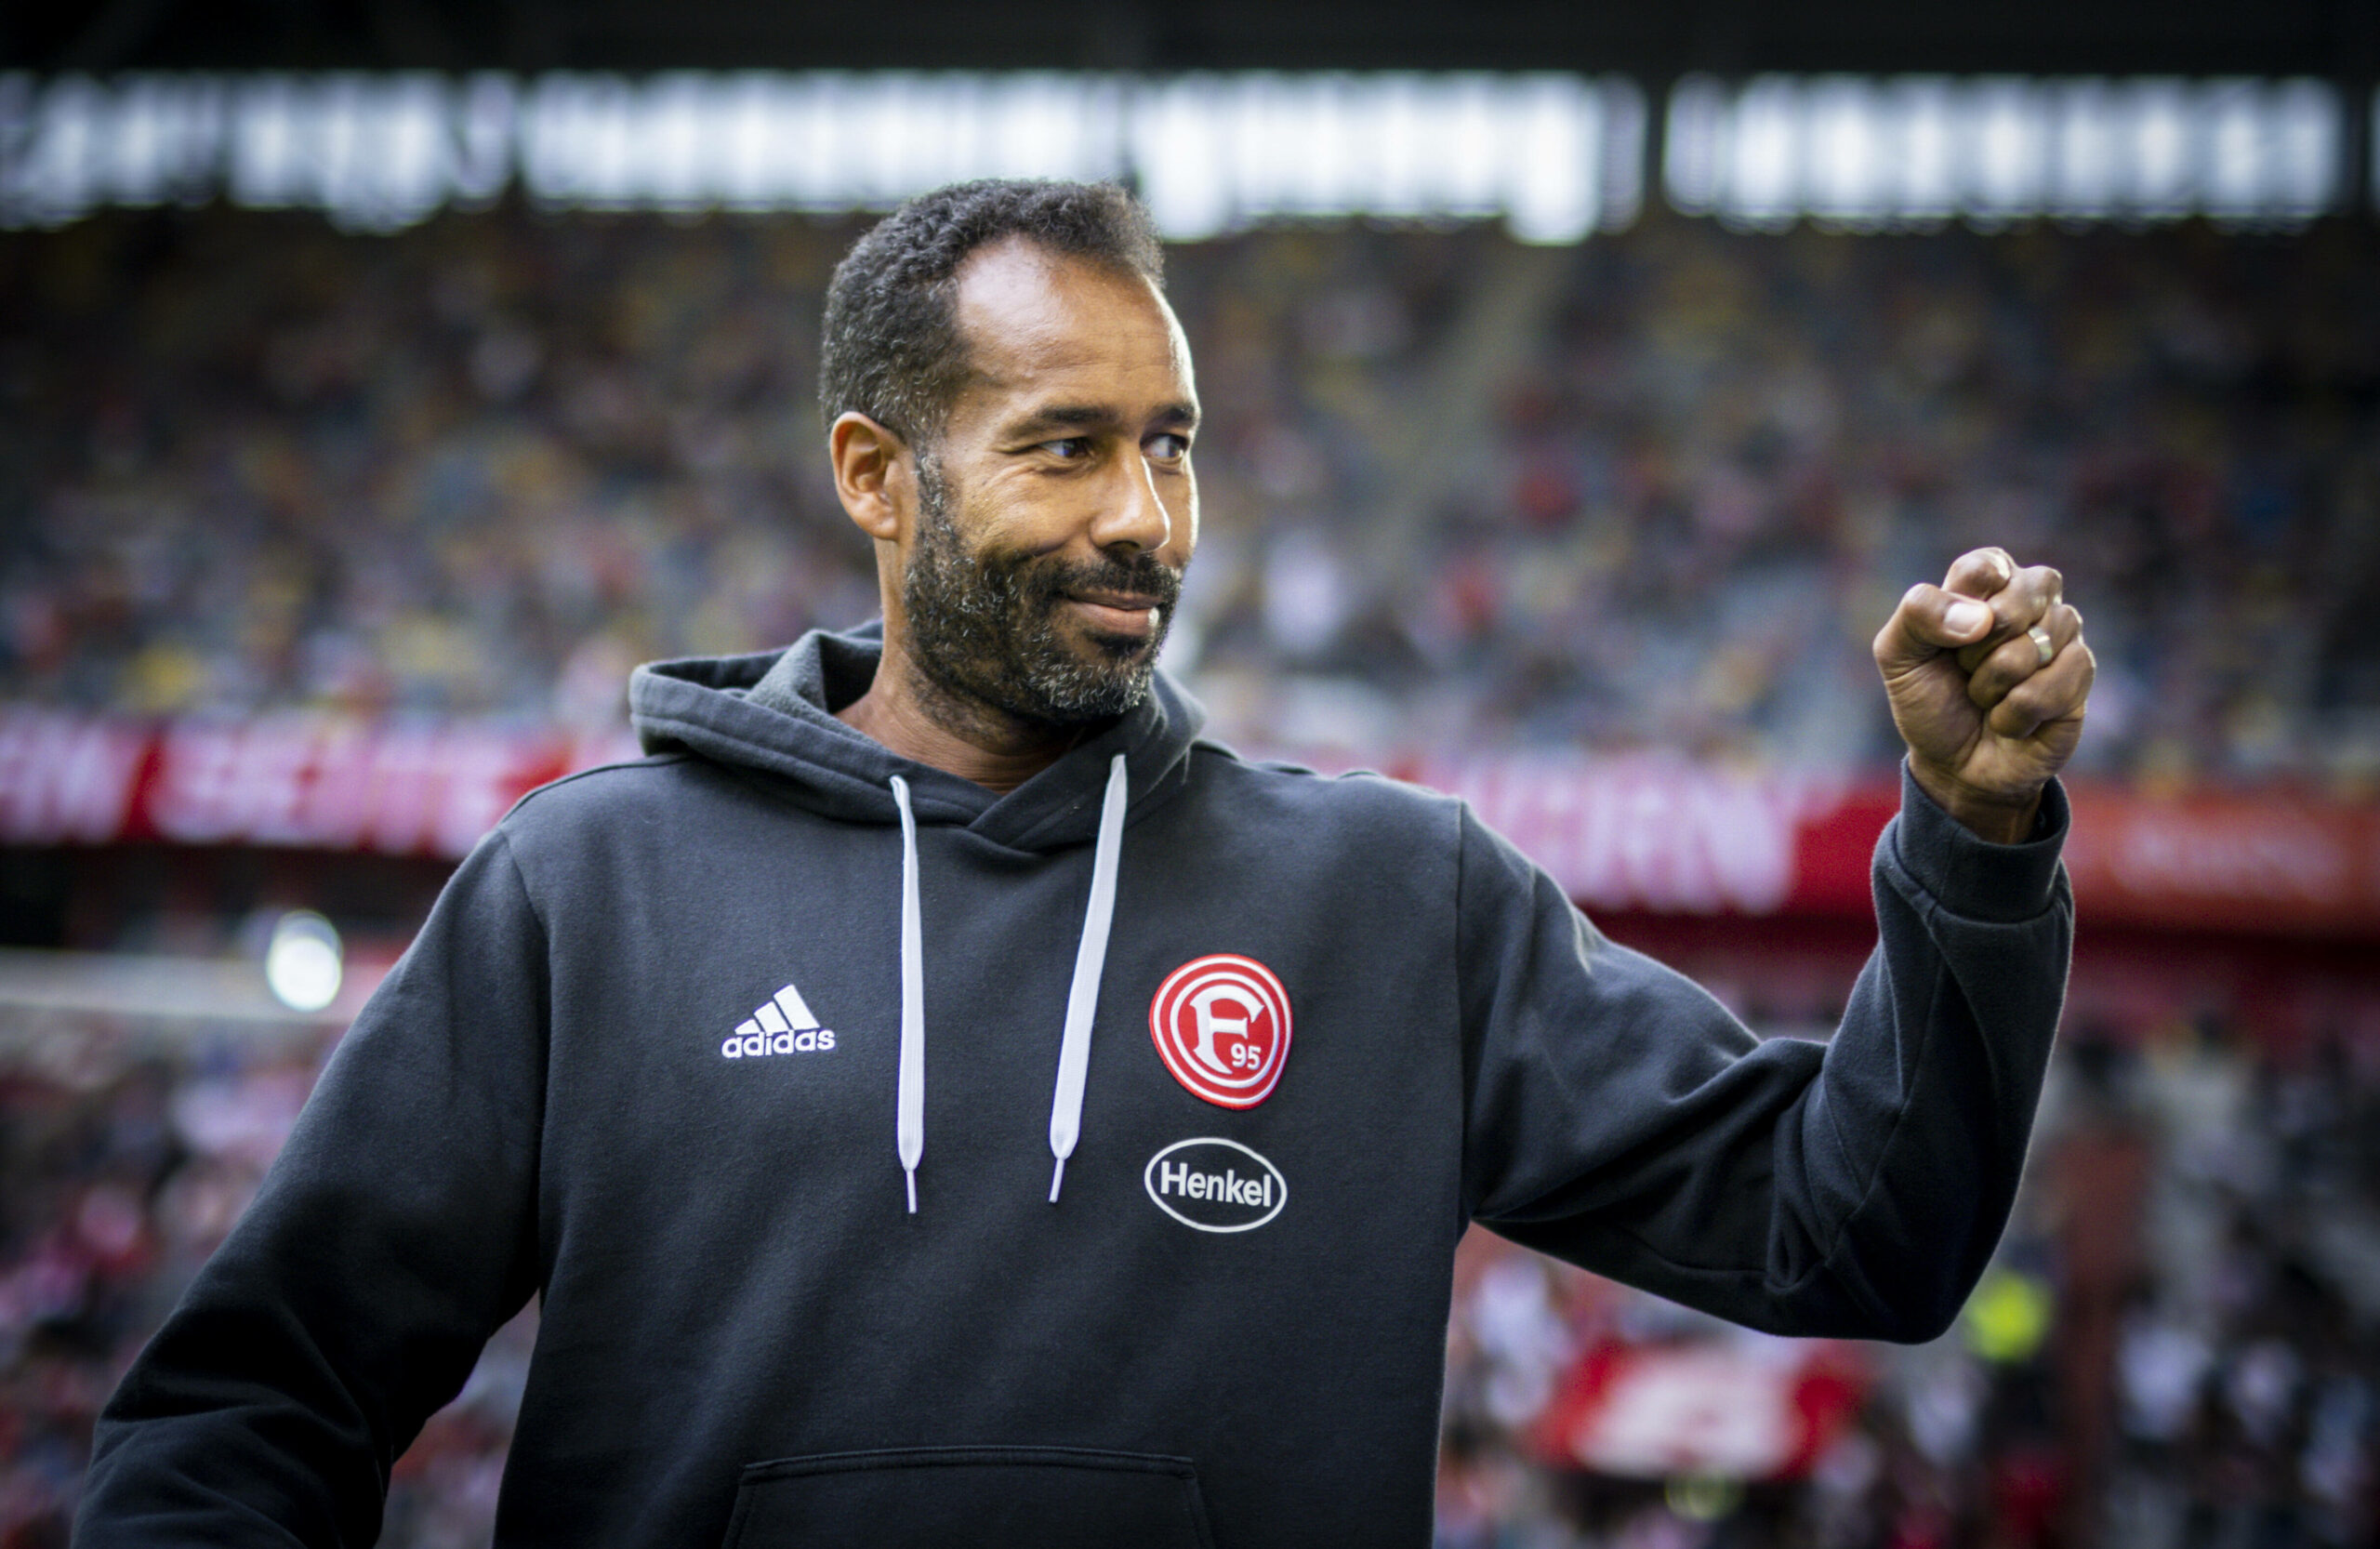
column 1091, row 959
column 910, row 1114
column 1082, row 999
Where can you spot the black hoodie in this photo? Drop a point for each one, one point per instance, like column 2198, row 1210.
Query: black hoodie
column 644, row 1061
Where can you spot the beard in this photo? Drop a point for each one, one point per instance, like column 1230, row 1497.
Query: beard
column 985, row 629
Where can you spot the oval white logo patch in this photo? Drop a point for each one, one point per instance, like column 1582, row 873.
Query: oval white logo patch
column 1222, row 1026
column 1215, row 1185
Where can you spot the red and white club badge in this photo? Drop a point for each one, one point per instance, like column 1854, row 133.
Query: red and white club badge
column 1222, row 1026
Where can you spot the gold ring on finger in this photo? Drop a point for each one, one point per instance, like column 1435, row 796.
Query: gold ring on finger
column 2039, row 637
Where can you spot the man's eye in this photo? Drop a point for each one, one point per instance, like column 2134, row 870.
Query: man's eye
column 1169, row 447
column 1068, row 448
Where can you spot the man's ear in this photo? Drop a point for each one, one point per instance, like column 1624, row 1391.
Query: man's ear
column 875, row 477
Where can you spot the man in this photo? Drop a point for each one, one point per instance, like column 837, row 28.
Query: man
column 940, row 1101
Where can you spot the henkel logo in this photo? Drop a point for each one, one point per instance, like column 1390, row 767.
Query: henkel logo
column 1222, row 1026
column 1211, row 1184
column 782, row 1026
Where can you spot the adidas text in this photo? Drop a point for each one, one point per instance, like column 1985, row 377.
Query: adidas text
column 782, row 1026
column 753, row 1044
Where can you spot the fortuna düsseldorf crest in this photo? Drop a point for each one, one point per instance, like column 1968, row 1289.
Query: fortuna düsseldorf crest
column 1222, row 1026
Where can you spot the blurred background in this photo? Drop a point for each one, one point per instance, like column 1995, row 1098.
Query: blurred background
column 380, row 380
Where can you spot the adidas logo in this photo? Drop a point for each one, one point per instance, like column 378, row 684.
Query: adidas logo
column 782, row 1026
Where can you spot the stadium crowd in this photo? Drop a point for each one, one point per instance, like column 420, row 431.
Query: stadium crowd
column 1655, row 490
column 2179, row 1349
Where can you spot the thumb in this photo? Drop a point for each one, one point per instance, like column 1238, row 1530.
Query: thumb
column 1928, row 622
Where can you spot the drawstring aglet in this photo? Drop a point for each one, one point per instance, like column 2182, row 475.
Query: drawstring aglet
column 1057, row 1178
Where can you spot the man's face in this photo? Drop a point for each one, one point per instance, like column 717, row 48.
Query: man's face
column 1057, row 511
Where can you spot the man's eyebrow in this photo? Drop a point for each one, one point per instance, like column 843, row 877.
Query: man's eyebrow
column 1090, row 416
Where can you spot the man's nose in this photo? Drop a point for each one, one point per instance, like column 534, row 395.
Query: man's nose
column 1133, row 515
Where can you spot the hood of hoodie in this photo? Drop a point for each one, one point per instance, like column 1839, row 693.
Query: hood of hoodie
column 771, row 713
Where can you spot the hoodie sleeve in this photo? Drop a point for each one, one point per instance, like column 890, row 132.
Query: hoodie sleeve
column 1620, row 1119
column 394, row 1234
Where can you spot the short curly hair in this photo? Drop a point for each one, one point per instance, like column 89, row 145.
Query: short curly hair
column 891, row 347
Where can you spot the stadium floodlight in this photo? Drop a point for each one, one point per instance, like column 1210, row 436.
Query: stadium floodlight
column 1623, row 152
column 2007, row 171
column 2085, row 150
column 2306, row 149
column 1697, row 126
column 1556, row 191
column 371, row 150
column 1763, row 162
column 2163, row 151
column 1922, row 149
column 1216, row 153
column 1913, row 150
column 1845, row 171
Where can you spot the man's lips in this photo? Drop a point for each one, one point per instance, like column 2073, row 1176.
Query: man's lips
column 1117, row 612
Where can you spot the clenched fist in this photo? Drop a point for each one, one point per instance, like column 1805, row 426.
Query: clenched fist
column 1987, row 674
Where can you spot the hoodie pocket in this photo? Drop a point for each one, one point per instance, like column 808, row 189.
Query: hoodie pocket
column 976, row 1497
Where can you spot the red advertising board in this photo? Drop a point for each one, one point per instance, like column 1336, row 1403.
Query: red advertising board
column 1745, row 1407
column 1647, row 833
column 1668, row 836
column 302, row 780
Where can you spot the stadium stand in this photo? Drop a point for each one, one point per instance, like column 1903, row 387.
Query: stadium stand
column 1650, row 491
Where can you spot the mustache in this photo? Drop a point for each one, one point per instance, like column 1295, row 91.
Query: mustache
column 1144, row 575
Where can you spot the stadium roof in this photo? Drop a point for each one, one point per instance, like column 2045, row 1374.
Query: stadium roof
column 1654, row 39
